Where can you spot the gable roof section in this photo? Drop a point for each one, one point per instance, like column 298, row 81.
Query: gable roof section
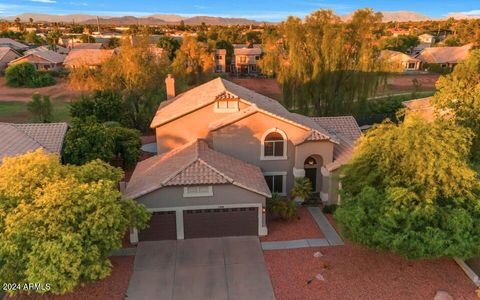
column 47, row 55
column 5, row 50
column 13, row 44
column 347, row 131
column 18, row 139
column 443, row 55
column 209, row 92
column 194, row 164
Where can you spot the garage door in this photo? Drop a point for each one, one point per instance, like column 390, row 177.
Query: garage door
column 220, row 222
column 162, row 227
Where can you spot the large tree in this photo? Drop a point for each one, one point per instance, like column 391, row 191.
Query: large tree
column 409, row 189
column 193, row 62
column 326, row 66
column 59, row 224
column 459, row 93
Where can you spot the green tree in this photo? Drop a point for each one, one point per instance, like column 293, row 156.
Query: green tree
column 53, row 38
column 41, row 108
column 59, row 224
column 326, row 66
column 409, row 189
column 169, row 45
column 127, row 144
column 253, row 37
column 87, row 140
column 193, row 62
column 302, row 188
column 25, row 75
column 105, row 105
column 222, row 44
column 401, row 43
column 459, row 92
column 113, row 43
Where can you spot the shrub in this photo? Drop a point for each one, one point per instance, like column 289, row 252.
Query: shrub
column 41, row 108
column 329, row 209
column 302, row 188
column 60, row 223
column 104, row 105
column 285, row 209
column 25, row 75
column 127, row 144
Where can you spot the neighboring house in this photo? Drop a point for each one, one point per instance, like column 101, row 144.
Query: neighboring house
column 59, row 50
column 76, row 46
column 427, row 38
column 222, row 150
column 91, row 58
column 400, row 60
column 6, row 56
column 18, row 139
column 7, row 42
column 42, row 60
column 245, row 60
column 220, row 60
column 444, row 57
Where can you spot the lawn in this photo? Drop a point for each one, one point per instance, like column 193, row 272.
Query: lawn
column 17, row 112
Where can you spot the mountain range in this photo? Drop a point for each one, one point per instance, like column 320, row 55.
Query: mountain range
column 161, row 19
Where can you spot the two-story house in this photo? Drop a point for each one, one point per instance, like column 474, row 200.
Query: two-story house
column 222, row 150
column 245, row 60
column 220, row 60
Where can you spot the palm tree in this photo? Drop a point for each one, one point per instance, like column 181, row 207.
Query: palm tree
column 302, row 188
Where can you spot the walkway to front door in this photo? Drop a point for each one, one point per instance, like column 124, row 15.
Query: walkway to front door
column 209, row 268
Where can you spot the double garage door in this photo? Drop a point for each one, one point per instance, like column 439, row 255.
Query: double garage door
column 203, row 223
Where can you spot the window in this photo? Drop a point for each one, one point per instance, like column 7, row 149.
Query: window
column 274, row 145
column 411, row 65
column 243, row 59
column 257, row 57
column 219, row 68
column 218, row 57
column 276, row 182
column 198, row 191
column 227, row 105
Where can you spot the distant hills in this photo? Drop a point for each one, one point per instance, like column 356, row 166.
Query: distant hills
column 160, row 19
column 154, row 19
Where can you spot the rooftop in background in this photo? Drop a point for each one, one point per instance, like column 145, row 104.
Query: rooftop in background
column 444, row 55
column 18, row 139
column 7, row 42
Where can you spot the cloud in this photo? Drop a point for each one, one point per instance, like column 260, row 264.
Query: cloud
column 473, row 13
column 44, row 1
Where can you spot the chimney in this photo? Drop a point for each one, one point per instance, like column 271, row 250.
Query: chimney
column 170, row 83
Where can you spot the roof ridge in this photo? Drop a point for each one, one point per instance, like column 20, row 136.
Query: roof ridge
column 31, row 137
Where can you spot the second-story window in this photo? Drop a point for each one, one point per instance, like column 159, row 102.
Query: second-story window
column 274, row 145
column 243, row 59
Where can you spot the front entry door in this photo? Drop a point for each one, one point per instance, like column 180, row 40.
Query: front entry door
column 311, row 173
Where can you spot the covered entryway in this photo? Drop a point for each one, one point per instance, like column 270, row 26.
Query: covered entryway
column 162, row 227
column 312, row 167
column 220, row 222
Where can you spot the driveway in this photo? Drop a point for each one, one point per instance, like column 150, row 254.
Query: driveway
column 212, row 268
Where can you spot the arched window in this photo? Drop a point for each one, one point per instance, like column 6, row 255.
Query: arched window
column 274, row 145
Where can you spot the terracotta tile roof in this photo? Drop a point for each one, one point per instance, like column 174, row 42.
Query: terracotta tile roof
column 193, row 164
column 207, row 94
column 87, row 57
column 13, row 44
column 346, row 126
column 395, row 56
column 18, row 139
column 347, row 131
column 443, row 55
column 48, row 55
column 88, row 46
column 4, row 51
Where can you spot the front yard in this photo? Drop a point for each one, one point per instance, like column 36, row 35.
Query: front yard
column 355, row 272
column 113, row 287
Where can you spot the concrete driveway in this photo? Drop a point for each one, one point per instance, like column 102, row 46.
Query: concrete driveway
column 212, row 268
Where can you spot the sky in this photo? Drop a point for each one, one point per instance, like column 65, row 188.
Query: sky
column 261, row 10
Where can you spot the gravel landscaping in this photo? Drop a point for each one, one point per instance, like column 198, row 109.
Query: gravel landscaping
column 113, row 287
column 303, row 227
column 355, row 272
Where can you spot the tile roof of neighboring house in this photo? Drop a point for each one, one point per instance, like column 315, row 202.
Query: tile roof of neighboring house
column 347, row 131
column 14, row 44
column 194, row 164
column 247, row 51
column 4, row 51
column 48, row 55
column 87, row 46
column 443, row 55
column 87, row 57
column 18, row 139
column 209, row 92
column 396, row 56
column 60, row 50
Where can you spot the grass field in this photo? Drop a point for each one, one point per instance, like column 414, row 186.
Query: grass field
column 17, row 112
